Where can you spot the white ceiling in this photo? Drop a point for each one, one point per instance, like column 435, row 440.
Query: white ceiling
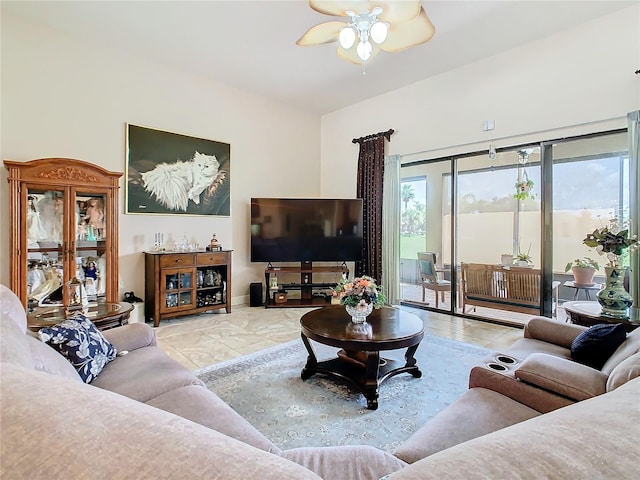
column 251, row 44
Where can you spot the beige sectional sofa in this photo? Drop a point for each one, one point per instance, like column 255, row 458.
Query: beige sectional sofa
column 534, row 376
column 147, row 417
column 544, row 377
column 596, row 439
column 144, row 416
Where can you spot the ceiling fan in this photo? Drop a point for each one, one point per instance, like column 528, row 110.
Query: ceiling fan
column 370, row 26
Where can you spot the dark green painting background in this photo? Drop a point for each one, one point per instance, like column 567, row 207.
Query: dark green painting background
column 147, row 148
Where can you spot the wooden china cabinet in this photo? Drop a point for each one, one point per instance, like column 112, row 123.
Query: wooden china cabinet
column 63, row 224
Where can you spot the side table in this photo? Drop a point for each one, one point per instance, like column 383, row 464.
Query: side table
column 590, row 313
column 587, row 289
column 105, row 315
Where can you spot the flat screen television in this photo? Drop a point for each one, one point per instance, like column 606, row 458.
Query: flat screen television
column 306, row 230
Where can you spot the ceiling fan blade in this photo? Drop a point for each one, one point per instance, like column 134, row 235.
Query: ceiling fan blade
column 351, row 55
column 338, row 7
column 326, row 32
column 398, row 12
column 414, row 32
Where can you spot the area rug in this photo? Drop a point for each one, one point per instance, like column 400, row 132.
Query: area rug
column 266, row 389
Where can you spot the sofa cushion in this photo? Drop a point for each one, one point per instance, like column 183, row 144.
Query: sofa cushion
column 523, row 347
column 131, row 337
column 94, row 434
column 630, row 346
column 478, row 412
column 552, row 331
column 345, row 462
column 594, row 346
column 144, row 374
column 80, row 342
column 626, row 370
column 506, row 383
column 13, row 325
column 564, row 377
column 47, row 359
column 200, row 405
column 11, row 310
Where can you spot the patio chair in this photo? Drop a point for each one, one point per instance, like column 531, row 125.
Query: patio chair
column 429, row 277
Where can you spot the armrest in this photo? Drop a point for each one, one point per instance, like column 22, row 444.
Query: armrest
column 131, row 337
column 552, row 331
column 564, row 377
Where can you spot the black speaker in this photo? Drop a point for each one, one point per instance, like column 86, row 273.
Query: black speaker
column 255, row 295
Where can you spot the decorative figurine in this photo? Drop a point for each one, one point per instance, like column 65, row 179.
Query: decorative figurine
column 90, row 271
column 94, row 215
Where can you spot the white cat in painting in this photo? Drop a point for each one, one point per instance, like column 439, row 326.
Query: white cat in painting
column 174, row 184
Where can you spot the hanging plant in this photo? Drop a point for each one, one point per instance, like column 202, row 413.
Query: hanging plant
column 523, row 188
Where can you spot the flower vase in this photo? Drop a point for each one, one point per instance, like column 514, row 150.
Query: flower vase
column 613, row 298
column 359, row 314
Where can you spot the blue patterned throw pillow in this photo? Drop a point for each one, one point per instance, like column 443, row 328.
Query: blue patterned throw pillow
column 80, row 342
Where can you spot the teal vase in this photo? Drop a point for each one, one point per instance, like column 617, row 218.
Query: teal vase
column 613, row 298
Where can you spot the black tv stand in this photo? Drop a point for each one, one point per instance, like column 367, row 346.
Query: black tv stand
column 306, row 284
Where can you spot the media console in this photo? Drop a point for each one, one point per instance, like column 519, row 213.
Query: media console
column 305, row 285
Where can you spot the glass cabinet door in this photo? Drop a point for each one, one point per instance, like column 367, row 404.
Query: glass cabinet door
column 177, row 288
column 63, row 218
column 90, row 234
column 45, row 246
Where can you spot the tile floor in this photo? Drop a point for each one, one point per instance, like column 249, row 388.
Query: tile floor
column 201, row 340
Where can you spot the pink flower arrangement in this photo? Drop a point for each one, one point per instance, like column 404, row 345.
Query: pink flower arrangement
column 359, row 292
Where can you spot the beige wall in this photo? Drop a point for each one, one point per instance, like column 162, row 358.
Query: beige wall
column 575, row 82
column 62, row 97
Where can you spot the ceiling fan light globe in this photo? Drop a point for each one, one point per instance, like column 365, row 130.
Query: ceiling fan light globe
column 347, row 37
column 379, row 32
column 364, row 50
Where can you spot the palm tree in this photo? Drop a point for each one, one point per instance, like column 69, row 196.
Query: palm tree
column 407, row 194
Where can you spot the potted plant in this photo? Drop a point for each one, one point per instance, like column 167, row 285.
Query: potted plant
column 583, row 270
column 524, row 260
column 613, row 241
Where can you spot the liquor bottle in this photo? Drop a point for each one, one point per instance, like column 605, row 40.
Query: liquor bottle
column 213, row 245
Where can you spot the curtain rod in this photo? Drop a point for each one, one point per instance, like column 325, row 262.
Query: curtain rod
column 386, row 134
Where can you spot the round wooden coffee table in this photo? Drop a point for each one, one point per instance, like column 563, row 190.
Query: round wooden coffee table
column 359, row 361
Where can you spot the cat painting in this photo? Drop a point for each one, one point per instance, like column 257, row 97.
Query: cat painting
column 174, row 184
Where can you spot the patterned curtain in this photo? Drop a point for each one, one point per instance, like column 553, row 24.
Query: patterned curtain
column 369, row 188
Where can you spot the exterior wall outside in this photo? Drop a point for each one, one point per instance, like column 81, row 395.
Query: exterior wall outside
column 62, row 97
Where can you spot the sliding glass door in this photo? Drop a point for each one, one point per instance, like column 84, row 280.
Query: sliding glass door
column 498, row 228
column 491, row 214
column 425, row 261
column 590, row 191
